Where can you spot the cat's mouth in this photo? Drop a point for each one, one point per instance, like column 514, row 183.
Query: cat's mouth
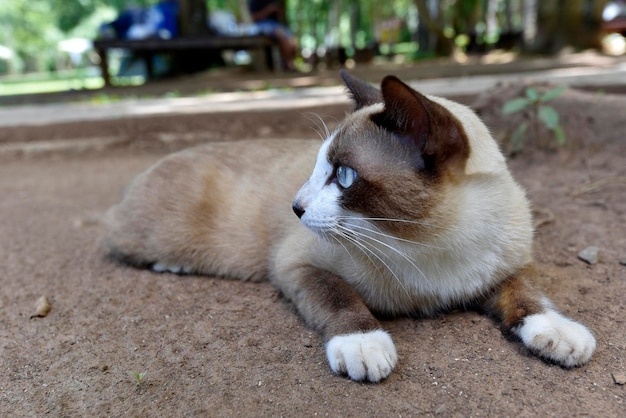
column 322, row 227
column 338, row 228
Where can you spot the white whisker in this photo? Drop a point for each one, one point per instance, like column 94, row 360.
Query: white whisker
column 392, row 237
column 358, row 245
column 420, row 223
column 361, row 245
column 323, row 132
column 391, row 247
column 442, row 229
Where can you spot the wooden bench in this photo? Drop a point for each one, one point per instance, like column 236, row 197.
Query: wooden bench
column 266, row 54
column 617, row 25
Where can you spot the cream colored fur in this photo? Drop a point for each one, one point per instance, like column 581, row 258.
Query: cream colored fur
column 224, row 209
column 212, row 209
column 486, row 234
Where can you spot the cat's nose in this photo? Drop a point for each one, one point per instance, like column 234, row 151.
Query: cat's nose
column 297, row 210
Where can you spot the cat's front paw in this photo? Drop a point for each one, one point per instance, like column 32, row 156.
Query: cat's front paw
column 362, row 356
column 557, row 338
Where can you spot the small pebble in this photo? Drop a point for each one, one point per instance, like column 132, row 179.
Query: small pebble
column 42, row 307
column 86, row 221
column 623, row 261
column 589, row 255
column 619, row 378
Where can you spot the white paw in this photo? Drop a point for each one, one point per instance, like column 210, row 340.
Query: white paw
column 362, row 356
column 557, row 338
column 170, row 268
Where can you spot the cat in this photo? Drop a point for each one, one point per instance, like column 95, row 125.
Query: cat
column 407, row 208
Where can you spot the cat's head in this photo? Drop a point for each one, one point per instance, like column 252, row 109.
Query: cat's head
column 390, row 161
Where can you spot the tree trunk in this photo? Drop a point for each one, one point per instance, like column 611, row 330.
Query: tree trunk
column 562, row 23
column 193, row 18
column 433, row 20
column 244, row 11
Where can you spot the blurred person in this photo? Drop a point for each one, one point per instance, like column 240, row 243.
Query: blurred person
column 269, row 17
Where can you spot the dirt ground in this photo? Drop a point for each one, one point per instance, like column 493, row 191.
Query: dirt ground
column 213, row 347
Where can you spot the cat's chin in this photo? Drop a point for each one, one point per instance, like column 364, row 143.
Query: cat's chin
column 320, row 228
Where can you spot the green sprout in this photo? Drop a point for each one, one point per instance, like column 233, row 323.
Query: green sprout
column 539, row 112
column 138, row 377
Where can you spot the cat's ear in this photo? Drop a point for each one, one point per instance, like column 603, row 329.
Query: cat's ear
column 416, row 119
column 362, row 93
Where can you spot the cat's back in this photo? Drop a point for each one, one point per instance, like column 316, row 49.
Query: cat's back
column 215, row 209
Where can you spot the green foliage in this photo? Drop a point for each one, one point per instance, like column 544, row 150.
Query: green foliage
column 72, row 16
column 88, row 26
column 538, row 112
column 25, row 27
column 50, row 84
column 33, row 28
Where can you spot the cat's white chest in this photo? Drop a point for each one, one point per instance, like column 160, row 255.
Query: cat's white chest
column 400, row 280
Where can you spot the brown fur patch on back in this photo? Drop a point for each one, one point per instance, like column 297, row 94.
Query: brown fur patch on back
column 202, row 212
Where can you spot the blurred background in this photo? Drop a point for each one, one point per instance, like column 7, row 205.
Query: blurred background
column 48, row 45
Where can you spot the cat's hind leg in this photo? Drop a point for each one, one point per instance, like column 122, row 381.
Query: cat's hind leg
column 530, row 316
column 165, row 216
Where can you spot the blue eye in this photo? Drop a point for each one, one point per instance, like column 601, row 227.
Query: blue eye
column 345, row 176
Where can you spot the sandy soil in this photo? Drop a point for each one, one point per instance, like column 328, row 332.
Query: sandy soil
column 223, row 348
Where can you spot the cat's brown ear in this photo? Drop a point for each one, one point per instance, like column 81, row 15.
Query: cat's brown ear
column 417, row 120
column 362, row 93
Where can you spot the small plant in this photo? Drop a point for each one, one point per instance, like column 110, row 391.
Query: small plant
column 539, row 112
column 138, row 377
